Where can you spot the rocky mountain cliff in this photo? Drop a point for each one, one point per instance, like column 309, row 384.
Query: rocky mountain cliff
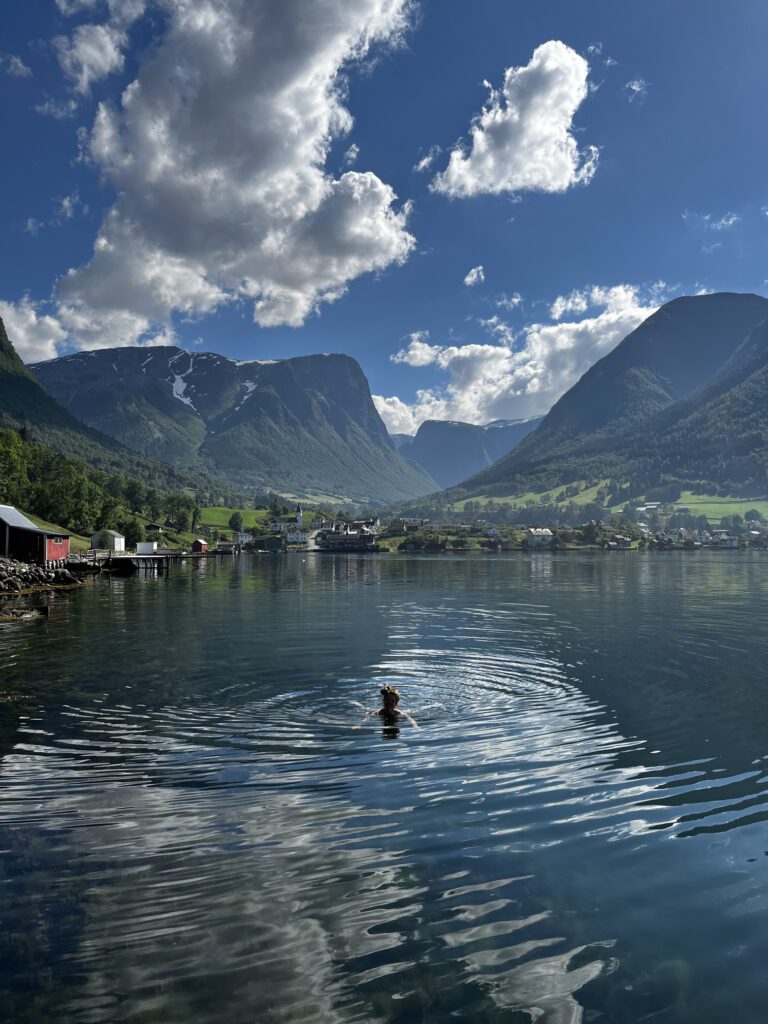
column 451, row 451
column 682, row 396
column 305, row 426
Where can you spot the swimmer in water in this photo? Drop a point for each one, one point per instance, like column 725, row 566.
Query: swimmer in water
column 389, row 711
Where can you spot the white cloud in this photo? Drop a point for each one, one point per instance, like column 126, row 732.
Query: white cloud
column 425, row 162
column 33, row 334
column 575, row 302
column 508, row 302
column 68, row 206
column 522, row 141
column 523, row 374
column 65, row 209
column 725, row 222
column 475, row 276
column 95, row 51
column 217, row 153
column 351, row 155
column 636, row 89
column 499, row 329
column 708, row 222
column 70, row 7
column 15, row 66
column 60, row 110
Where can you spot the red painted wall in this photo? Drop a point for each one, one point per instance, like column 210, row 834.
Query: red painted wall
column 54, row 550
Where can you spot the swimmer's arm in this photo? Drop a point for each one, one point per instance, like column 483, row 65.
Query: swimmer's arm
column 410, row 718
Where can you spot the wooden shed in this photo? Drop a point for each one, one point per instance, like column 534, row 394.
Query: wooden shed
column 199, row 546
column 22, row 540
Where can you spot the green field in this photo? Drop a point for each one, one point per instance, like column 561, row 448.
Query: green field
column 584, row 497
column 714, row 507
column 218, row 517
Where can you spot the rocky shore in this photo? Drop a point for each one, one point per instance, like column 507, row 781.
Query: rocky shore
column 21, row 578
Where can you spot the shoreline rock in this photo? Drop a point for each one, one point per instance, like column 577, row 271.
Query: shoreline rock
column 18, row 578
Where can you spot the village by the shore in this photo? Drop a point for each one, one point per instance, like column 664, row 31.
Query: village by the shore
column 34, row 558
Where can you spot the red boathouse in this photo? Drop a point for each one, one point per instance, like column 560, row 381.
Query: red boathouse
column 22, row 540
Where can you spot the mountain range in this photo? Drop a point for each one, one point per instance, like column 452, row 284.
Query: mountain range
column 451, row 451
column 683, row 397
column 304, row 427
column 26, row 406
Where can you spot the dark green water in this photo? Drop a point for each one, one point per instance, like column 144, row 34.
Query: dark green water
column 198, row 825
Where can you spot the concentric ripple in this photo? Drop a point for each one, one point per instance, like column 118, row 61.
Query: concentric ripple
column 201, row 821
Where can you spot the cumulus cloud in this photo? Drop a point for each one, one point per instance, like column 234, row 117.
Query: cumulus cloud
column 475, row 276
column 522, row 140
column 521, row 374
column 217, row 154
column 34, row 334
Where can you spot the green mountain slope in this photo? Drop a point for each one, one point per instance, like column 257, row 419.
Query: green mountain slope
column 304, row 426
column 657, row 405
column 26, row 406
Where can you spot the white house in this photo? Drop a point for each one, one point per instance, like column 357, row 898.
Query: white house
column 146, row 547
column 107, row 540
column 539, row 538
column 296, row 535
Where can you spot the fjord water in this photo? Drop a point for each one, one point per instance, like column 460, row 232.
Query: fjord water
column 198, row 824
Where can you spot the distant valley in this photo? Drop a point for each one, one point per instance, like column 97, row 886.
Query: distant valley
column 451, row 451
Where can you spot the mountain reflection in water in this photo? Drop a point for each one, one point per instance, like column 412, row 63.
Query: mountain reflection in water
column 198, row 822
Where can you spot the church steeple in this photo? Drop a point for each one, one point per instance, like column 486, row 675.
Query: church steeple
column 299, row 515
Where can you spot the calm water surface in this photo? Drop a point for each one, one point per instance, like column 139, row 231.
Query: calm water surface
column 197, row 823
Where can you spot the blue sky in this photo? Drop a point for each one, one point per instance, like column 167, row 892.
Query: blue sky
column 174, row 169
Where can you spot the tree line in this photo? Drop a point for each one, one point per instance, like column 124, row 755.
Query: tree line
column 67, row 492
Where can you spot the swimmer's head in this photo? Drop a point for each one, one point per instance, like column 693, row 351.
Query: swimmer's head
column 389, row 696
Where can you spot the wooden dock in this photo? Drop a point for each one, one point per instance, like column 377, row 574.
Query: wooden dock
column 156, row 564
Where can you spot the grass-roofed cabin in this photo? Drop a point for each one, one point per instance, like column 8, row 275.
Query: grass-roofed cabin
column 22, row 540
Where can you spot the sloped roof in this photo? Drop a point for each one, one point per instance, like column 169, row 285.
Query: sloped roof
column 11, row 516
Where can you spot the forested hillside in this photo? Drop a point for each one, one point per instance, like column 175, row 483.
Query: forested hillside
column 26, row 406
column 683, row 399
